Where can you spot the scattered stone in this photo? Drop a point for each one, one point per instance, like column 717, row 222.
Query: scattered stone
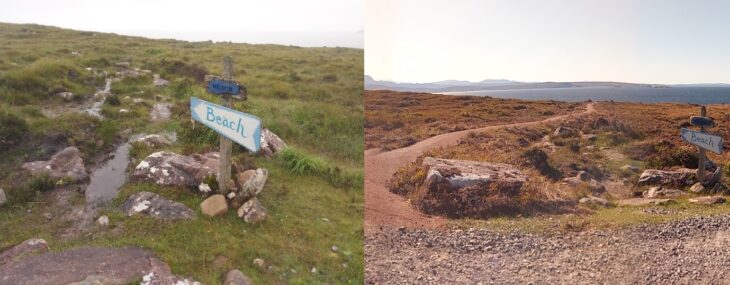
column 658, row 191
column 563, row 132
column 160, row 112
column 252, row 211
column 171, row 169
column 159, row 82
column 236, row 277
column 250, row 183
column 697, row 188
column 326, row 220
column 153, row 140
column 204, row 188
column 314, row 270
column 137, row 100
column 103, row 220
column 645, row 201
column 457, row 174
column 65, row 95
column 259, row 263
column 64, row 164
column 631, row 168
column 123, row 64
column 151, row 204
column 708, row 200
column 214, row 206
column 270, row 143
column 3, row 198
column 593, row 201
column 679, row 178
column 22, row 250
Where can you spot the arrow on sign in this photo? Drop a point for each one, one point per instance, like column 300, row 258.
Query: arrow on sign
column 703, row 140
column 239, row 127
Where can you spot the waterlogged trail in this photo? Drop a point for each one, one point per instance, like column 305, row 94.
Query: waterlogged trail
column 383, row 208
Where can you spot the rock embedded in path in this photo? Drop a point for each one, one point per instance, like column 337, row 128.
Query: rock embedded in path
column 708, row 200
column 645, row 201
column 270, row 143
column 153, row 140
column 171, row 169
column 252, row 211
column 160, row 112
column 151, row 204
column 64, row 164
column 236, row 277
column 594, row 201
column 630, row 168
column 679, row 178
column 562, row 131
column 23, row 250
column 457, row 174
column 157, row 81
column 658, row 191
column 215, row 205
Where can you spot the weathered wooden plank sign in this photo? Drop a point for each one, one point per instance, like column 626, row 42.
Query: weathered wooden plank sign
column 242, row 128
column 703, row 140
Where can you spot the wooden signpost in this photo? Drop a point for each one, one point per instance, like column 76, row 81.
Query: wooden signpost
column 702, row 140
column 231, row 125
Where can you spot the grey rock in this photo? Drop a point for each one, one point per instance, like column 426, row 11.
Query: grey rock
column 171, row 169
column 65, row 95
column 697, row 188
column 157, row 81
column 151, row 204
column 459, row 174
column 679, row 178
column 103, row 220
column 708, row 200
column 630, row 168
column 160, row 112
column 236, row 277
column 250, row 183
column 270, row 143
column 658, row 191
column 563, row 132
column 593, row 200
column 23, row 250
column 215, row 205
column 153, row 140
column 64, row 164
column 252, row 211
column 589, row 137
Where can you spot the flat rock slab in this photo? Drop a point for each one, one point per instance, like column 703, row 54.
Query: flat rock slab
column 709, row 200
column 171, row 169
column 65, row 163
column 151, row 204
column 645, row 201
column 681, row 177
column 464, row 173
column 113, row 265
column 22, row 250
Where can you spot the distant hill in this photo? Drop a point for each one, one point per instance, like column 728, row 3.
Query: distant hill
column 489, row 84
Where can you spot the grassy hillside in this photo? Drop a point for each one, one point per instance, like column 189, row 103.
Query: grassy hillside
column 311, row 97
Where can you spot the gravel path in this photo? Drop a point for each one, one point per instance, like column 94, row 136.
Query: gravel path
column 690, row 251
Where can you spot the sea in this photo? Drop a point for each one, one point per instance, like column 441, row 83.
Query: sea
column 692, row 95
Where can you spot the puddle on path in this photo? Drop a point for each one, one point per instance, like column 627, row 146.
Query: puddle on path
column 106, row 181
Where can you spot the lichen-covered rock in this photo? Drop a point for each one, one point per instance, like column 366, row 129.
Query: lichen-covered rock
column 153, row 140
column 64, row 164
column 594, row 201
column 214, row 205
column 679, row 178
column 22, row 250
column 251, row 182
column 160, row 112
column 270, row 143
column 236, row 277
column 252, row 211
column 151, row 204
column 171, row 169
column 458, row 174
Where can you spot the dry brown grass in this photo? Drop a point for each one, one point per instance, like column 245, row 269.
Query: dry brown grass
column 398, row 119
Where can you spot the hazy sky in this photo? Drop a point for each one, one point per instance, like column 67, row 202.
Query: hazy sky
column 305, row 23
column 659, row 41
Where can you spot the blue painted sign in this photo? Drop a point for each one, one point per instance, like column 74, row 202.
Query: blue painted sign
column 242, row 128
column 701, row 121
column 220, row 87
column 703, row 140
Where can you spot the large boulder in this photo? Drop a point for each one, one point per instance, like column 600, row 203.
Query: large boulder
column 679, row 178
column 64, row 164
column 22, row 250
column 270, row 143
column 252, row 211
column 151, row 204
column 249, row 184
column 457, row 174
column 171, row 169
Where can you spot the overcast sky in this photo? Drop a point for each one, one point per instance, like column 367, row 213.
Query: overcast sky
column 295, row 22
column 657, row 41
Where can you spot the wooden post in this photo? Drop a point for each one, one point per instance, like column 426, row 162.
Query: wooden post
column 224, row 169
column 701, row 158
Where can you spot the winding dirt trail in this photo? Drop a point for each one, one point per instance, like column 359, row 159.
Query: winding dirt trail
column 383, row 208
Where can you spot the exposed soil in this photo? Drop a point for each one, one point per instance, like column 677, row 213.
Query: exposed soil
column 690, row 251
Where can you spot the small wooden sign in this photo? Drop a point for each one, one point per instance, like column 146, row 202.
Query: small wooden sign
column 701, row 121
column 221, row 86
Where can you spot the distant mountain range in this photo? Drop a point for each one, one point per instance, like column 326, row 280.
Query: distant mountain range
column 503, row 84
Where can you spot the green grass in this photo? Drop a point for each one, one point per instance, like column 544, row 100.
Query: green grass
column 310, row 97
